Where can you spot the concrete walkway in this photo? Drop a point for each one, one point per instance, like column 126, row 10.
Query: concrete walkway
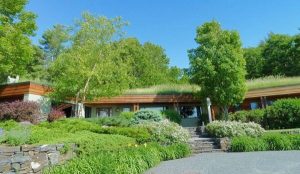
column 272, row 162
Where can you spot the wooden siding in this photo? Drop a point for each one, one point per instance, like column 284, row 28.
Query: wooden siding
column 22, row 88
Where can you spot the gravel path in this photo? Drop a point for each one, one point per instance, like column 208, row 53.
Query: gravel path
column 272, row 162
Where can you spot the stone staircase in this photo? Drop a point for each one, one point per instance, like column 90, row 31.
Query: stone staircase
column 200, row 142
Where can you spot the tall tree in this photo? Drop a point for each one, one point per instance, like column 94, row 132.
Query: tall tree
column 91, row 68
column 218, row 66
column 54, row 41
column 281, row 54
column 254, row 62
column 148, row 62
column 16, row 27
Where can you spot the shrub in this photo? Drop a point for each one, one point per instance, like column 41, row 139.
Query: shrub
column 141, row 134
column 256, row 116
column 126, row 115
column 17, row 136
column 277, row 141
column 172, row 115
column 247, row 144
column 55, row 114
column 234, row 128
column 142, row 116
column 132, row 160
column 269, row 141
column 20, row 111
column 284, row 113
column 110, row 121
column 166, row 132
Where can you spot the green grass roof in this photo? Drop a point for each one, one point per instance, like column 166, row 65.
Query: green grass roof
column 260, row 83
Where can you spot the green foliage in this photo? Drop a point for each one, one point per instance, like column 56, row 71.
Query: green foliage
column 146, row 115
column 277, row 142
column 54, row 41
column 127, row 115
column 18, row 135
column 166, row 89
column 8, row 125
column 218, row 66
column 132, row 160
column 269, row 141
column 16, row 27
column 284, row 113
column 111, row 121
column 140, row 134
column 247, row 144
column 172, row 115
column 102, row 72
column 281, row 54
column 148, row 63
column 256, row 116
column 166, row 132
column 254, row 62
column 272, row 81
column 233, row 129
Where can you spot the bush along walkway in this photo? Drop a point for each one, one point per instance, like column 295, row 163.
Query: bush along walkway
column 200, row 143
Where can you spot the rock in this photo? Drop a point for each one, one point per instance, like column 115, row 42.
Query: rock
column 59, row 146
column 54, row 158
column 39, row 161
column 36, row 166
column 4, row 167
column 26, row 148
column 47, row 148
column 7, row 149
column 19, row 158
column 16, row 167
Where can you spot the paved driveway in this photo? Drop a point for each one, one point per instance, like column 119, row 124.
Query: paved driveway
column 275, row 162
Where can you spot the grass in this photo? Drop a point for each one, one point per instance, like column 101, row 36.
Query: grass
column 166, row 89
column 272, row 81
column 260, row 83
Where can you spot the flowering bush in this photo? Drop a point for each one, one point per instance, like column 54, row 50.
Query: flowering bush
column 166, row 132
column 55, row 114
column 142, row 116
column 233, row 129
column 20, row 111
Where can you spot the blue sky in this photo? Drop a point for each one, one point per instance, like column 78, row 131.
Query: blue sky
column 172, row 23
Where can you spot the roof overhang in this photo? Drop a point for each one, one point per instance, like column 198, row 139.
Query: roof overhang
column 22, row 88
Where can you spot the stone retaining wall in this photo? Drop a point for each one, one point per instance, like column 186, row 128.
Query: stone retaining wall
column 32, row 159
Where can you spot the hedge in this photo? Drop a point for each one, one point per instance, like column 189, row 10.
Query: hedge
column 269, row 141
column 233, row 128
column 283, row 114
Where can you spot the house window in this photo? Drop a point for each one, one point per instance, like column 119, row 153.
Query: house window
column 254, row 105
column 104, row 112
column 154, row 108
column 126, row 109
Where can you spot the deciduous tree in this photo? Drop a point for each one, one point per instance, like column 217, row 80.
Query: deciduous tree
column 91, row 68
column 16, row 27
column 218, row 66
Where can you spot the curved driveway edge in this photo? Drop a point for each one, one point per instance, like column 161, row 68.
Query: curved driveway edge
column 271, row 162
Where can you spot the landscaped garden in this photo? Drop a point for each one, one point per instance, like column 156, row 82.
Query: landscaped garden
column 273, row 128
column 129, row 143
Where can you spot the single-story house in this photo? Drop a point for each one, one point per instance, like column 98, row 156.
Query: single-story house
column 186, row 104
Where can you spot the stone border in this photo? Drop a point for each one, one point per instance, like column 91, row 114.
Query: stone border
column 32, row 159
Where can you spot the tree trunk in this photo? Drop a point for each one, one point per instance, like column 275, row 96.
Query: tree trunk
column 225, row 112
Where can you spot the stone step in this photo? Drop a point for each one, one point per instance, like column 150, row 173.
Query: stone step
column 206, row 151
